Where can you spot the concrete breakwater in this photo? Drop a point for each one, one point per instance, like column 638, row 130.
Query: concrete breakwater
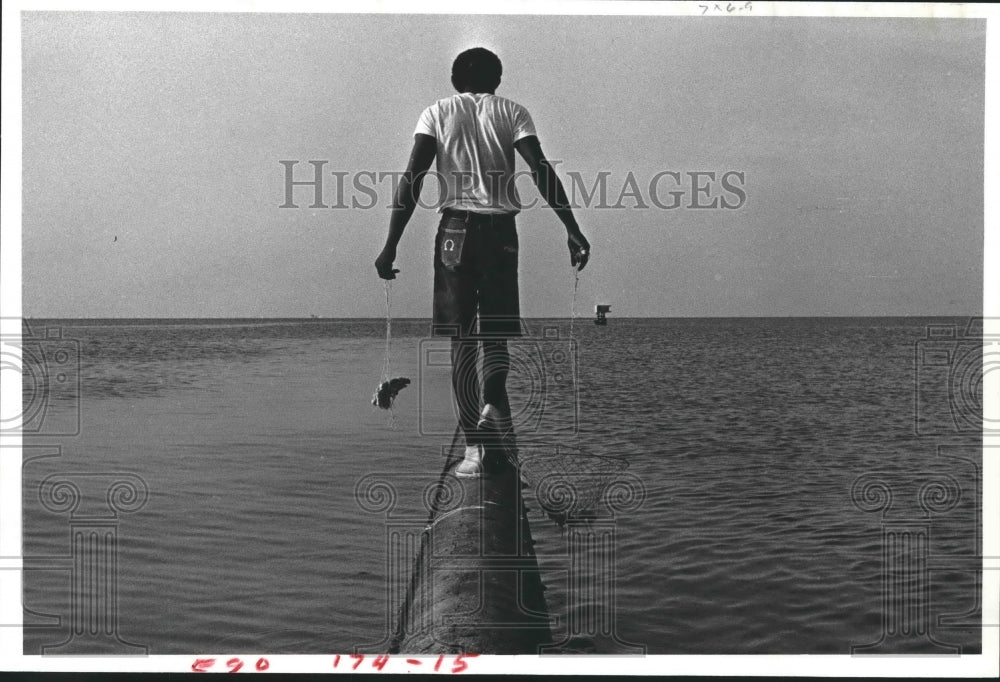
column 475, row 586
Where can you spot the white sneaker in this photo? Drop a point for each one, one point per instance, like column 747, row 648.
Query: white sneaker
column 472, row 465
column 490, row 418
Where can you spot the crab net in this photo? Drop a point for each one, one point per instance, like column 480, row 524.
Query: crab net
column 568, row 483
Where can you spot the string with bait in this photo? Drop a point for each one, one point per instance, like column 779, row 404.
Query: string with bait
column 389, row 388
column 572, row 309
column 566, row 480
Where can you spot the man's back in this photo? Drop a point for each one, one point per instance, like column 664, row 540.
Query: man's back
column 475, row 134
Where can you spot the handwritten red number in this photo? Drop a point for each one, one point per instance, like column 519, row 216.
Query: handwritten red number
column 201, row 665
column 359, row 657
column 437, row 666
column 262, row 664
column 380, row 661
column 461, row 665
column 234, row 665
column 336, row 660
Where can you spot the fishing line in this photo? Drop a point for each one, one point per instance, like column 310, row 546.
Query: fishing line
column 572, row 339
column 587, row 475
column 386, row 363
column 425, row 539
column 572, row 309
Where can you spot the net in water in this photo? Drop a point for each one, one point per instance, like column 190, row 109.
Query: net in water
column 568, row 483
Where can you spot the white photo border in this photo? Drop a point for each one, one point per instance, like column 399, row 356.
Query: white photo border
column 11, row 642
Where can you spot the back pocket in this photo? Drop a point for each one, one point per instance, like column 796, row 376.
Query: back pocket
column 451, row 242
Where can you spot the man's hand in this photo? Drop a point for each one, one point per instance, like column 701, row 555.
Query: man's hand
column 384, row 263
column 579, row 250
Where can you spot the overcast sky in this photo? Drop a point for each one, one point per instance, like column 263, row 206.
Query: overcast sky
column 152, row 182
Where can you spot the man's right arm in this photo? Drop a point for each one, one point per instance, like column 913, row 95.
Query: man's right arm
column 405, row 201
column 551, row 188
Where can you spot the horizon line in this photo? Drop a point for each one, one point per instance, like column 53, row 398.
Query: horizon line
column 540, row 317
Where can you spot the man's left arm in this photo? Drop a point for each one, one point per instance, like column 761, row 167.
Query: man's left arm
column 405, row 201
column 549, row 185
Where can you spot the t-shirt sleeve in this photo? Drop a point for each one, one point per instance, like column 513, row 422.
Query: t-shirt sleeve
column 523, row 125
column 426, row 124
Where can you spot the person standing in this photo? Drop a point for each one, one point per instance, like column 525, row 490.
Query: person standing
column 473, row 136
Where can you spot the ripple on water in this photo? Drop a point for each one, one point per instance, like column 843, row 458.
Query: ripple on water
column 747, row 436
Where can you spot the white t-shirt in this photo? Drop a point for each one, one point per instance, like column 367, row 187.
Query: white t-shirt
column 475, row 135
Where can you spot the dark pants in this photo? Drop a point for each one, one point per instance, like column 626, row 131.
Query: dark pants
column 476, row 300
column 465, row 380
